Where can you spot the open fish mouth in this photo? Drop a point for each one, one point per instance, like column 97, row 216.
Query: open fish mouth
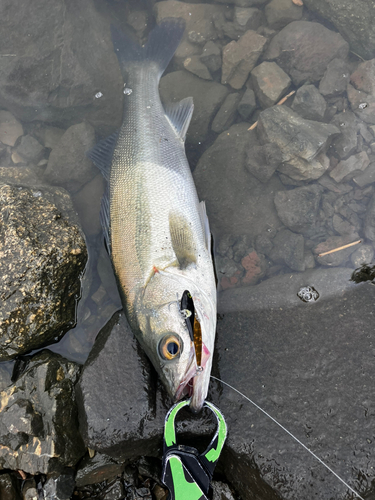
column 186, row 387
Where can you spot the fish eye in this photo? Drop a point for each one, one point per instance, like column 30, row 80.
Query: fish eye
column 170, row 347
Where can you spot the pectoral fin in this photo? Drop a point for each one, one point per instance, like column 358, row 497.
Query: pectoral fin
column 183, row 242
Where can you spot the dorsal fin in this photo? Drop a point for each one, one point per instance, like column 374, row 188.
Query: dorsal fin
column 102, row 153
column 182, row 239
column 205, row 225
column 179, row 115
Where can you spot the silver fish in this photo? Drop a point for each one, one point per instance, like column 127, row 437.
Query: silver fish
column 156, row 229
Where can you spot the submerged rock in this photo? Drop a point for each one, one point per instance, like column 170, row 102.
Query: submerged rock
column 68, row 166
column 43, row 254
column 309, row 103
column 279, row 13
column 227, row 113
column 247, row 104
column 298, row 208
column 240, row 57
column 237, row 202
column 352, row 165
column 352, row 19
column 38, row 417
column 270, row 83
column 58, row 77
column 303, row 50
column 288, row 248
column 302, row 142
column 10, row 128
column 335, row 79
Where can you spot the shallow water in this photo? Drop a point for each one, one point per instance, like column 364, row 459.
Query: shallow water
column 273, row 210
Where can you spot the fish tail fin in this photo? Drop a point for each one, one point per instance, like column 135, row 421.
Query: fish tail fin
column 159, row 49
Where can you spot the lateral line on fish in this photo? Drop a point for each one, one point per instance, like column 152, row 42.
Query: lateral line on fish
column 291, row 435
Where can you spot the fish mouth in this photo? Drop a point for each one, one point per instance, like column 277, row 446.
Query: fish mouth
column 189, row 382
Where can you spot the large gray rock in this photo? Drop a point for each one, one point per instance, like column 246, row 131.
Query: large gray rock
column 298, row 208
column 302, row 367
column 346, row 168
column 38, row 417
column 335, row 79
column 240, row 57
column 302, row 142
column 227, row 113
column 352, row 19
column 236, row 201
column 346, row 143
column 303, row 50
column 43, row 254
column 207, row 97
column 262, row 161
column 69, row 58
column 68, row 166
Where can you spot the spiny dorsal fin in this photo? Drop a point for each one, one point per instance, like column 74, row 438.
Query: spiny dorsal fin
column 179, row 115
column 182, row 239
column 205, row 225
column 102, row 153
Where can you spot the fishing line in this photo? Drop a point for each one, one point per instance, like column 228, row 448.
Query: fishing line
column 291, row 435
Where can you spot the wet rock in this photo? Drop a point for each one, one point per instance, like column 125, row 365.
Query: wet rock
column 61, row 487
column 29, row 490
column 10, row 128
column 262, row 161
column 362, row 104
column 43, row 255
column 115, row 492
column 339, row 257
column 68, row 165
column 366, row 177
column 199, row 24
column 20, row 176
column 288, row 248
column 309, row 103
column 87, row 203
column 290, row 46
column 301, row 142
column 255, row 267
column 221, row 491
column 196, row 66
column 236, row 201
column 270, row 83
column 38, row 417
column 30, row 149
column 247, row 104
column 346, row 143
column 347, row 167
column 131, row 425
column 211, row 56
column 370, row 220
column 335, row 79
column 226, row 114
column 51, row 136
column 363, row 255
column 279, row 13
column 352, row 20
column 9, row 487
column 240, row 57
column 57, row 81
column 364, row 76
column 290, row 345
column 97, row 469
column 207, row 96
column 247, row 18
column 243, row 3
column 342, row 226
column 298, row 208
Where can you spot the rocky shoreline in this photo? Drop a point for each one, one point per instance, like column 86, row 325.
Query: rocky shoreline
column 282, row 147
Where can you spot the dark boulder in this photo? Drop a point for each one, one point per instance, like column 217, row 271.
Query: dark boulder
column 303, row 50
column 43, row 255
column 309, row 103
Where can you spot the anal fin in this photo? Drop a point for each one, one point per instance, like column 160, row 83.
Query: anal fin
column 182, row 239
column 179, row 115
